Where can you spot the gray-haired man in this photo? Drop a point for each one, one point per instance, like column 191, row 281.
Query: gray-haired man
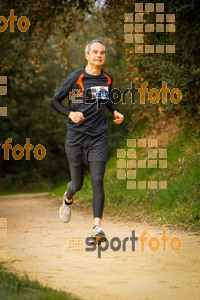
column 87, row 141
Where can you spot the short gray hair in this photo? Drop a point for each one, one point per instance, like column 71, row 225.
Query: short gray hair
column 87, row 48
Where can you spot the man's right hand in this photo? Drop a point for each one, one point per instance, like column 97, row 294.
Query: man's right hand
column 76, row 116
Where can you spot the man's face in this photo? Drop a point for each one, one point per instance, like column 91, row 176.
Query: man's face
column 97, row 54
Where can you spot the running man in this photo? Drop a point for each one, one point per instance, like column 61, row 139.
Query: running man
column 87, row 141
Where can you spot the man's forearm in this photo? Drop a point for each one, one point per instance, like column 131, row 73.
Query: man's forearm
column 111, row 106
column 57, row 105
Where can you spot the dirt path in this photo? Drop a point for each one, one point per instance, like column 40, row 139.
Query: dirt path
column 38, row 244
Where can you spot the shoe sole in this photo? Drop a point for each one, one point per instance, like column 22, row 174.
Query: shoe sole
column 60, row 210
column 101, row 240
column 98, row 239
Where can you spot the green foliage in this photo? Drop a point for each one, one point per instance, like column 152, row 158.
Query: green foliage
column 38, row 61
column 21, row 288
column 44, row 17
column 30, row 89
column 179, row 204
column 181, row 69
column 30, row 116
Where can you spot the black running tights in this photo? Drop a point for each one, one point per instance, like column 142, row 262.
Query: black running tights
column 97, row 171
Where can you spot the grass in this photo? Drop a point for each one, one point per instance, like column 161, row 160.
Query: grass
column 2, row 193
column 179, row 204
column 21, row 288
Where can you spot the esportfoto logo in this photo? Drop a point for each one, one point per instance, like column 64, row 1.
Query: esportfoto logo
column 141, row 26
column 101, row 94
column 116, row 244
column 23, row 22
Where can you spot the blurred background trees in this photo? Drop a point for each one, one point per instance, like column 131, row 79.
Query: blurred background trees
column 38, row 61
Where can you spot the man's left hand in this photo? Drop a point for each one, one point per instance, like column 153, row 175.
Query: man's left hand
column 118, row 117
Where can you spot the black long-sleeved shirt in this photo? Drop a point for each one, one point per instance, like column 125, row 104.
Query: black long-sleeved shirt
column 88, row 94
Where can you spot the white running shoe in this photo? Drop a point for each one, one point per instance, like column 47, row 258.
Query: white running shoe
column 65, row 210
